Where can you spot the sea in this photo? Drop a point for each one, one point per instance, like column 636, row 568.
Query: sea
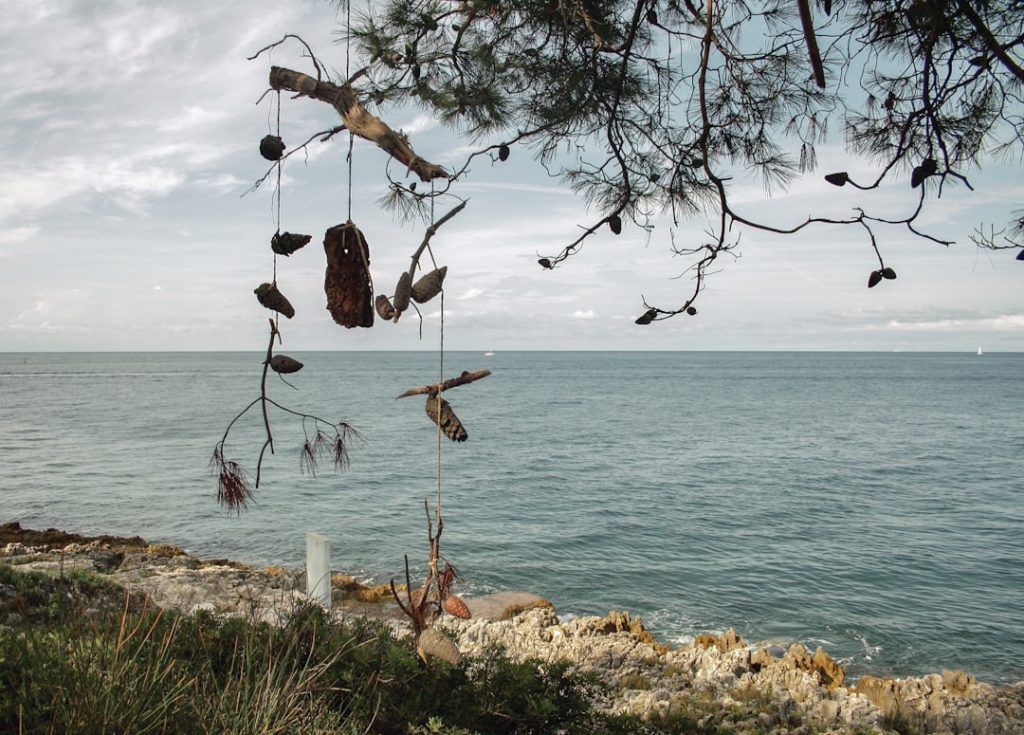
column 868, row 503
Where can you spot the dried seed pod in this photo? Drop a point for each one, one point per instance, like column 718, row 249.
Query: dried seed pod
column 272, row 148
column 652, row 17
column 273, row 299
column 286, row 243
column 455, row 606
column 503, row 152
column 347, row 278
column 403, row 292
column 433, row 643
column 615, row 224
column 429, row 285
column 839, row 178
column 928, row 167
column 441, row 413
column 285, row 364
column 874, row 279
column 545, row 263
column 647, row 317
column 1020, row 255
column 691, row 310
column 384, row 308
column 888, row 273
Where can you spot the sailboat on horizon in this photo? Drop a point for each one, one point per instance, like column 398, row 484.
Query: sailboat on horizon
column 980, row 353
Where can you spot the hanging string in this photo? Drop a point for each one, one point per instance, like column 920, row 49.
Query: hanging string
column 351, row 137
column 277, row 191
column 441, row 366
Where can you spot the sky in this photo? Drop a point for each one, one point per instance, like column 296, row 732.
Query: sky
column 129, row 131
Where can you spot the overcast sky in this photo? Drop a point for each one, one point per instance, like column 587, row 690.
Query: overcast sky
column 130, row 130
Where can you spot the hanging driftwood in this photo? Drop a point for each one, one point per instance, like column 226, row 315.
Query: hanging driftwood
column 429, row 285
column 285, row 364
column 357, row 119
column 347, row 280
column 273, row 299
column 286, row 243
column 435, row 388
column 441, row 413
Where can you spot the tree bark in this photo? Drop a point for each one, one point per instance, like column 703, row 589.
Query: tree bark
column 357, row 119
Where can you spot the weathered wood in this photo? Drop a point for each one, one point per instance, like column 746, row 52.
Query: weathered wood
column 357, row 118
column 436, row 388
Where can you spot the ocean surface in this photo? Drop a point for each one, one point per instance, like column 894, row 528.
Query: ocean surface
column 869, row 503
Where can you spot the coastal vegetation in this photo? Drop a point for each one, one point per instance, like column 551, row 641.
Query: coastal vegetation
column 83, row 656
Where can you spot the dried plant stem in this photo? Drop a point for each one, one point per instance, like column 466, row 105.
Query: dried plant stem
column 269, row 442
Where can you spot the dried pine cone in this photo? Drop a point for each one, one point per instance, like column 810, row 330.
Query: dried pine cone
column 384, row 308
column 286, row 243
column 448, row 421
column 455, row 606
column 272, row 148
column 429, row 285
column 403, row 292
column 434, row 643
column 273, row 299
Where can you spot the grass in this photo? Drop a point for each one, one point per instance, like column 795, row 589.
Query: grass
column 75, row 665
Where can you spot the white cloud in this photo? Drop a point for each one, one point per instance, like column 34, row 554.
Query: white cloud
column 587, row 315
column 19, row 234
column 1001, row 323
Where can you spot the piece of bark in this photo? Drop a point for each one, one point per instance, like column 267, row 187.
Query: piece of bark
column 347, row 278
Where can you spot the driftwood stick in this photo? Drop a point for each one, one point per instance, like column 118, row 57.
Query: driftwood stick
column 357, row 119
column 436, row 388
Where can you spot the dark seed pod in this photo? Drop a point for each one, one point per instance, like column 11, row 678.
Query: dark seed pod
column 874, row 279
column 272, row 148
column 615, row 224
column 691, row 310
column 545, row 263
column 1020, row 255
column 647, row 317
column 273, row 299
column 839, row 178
column 652, row 17
column 384, row 308
column 429, row 285
column 285, row 364
column 441, row 413
column 889, row 274
column 826, row 5
column 403, row 292
column 928, row 167
column 503, row 152
column 286, row 243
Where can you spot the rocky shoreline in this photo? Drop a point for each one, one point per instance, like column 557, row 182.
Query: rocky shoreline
column 715, row 679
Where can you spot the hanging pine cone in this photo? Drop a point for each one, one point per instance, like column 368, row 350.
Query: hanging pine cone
column 347, row 279
column 272, row 148
column 448, row 421
column 285, row 364
column 434, row 643
column 384, row 308
column 429, row 285
column 403, row 292
column 273, row 299
column 286, row 243
column 455, row 606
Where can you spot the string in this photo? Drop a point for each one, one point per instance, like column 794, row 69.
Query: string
column 441, row 366
column 277, row 191
column 351, row 137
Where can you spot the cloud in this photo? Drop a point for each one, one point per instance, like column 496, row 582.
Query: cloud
column 19, row 234
column 470, row 294
column 587, row 315
column 1001, row 323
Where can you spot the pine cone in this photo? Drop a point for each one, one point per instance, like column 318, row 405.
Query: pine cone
column 270, row 297
column 449, row 422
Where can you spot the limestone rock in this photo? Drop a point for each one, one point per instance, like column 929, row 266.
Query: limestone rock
column 504, row 605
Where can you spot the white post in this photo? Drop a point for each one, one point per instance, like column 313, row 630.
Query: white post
column 318, row 569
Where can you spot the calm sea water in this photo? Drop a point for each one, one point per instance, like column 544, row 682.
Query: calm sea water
column 869, row 503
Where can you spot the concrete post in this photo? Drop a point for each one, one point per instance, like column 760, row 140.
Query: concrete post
column 318, row 569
